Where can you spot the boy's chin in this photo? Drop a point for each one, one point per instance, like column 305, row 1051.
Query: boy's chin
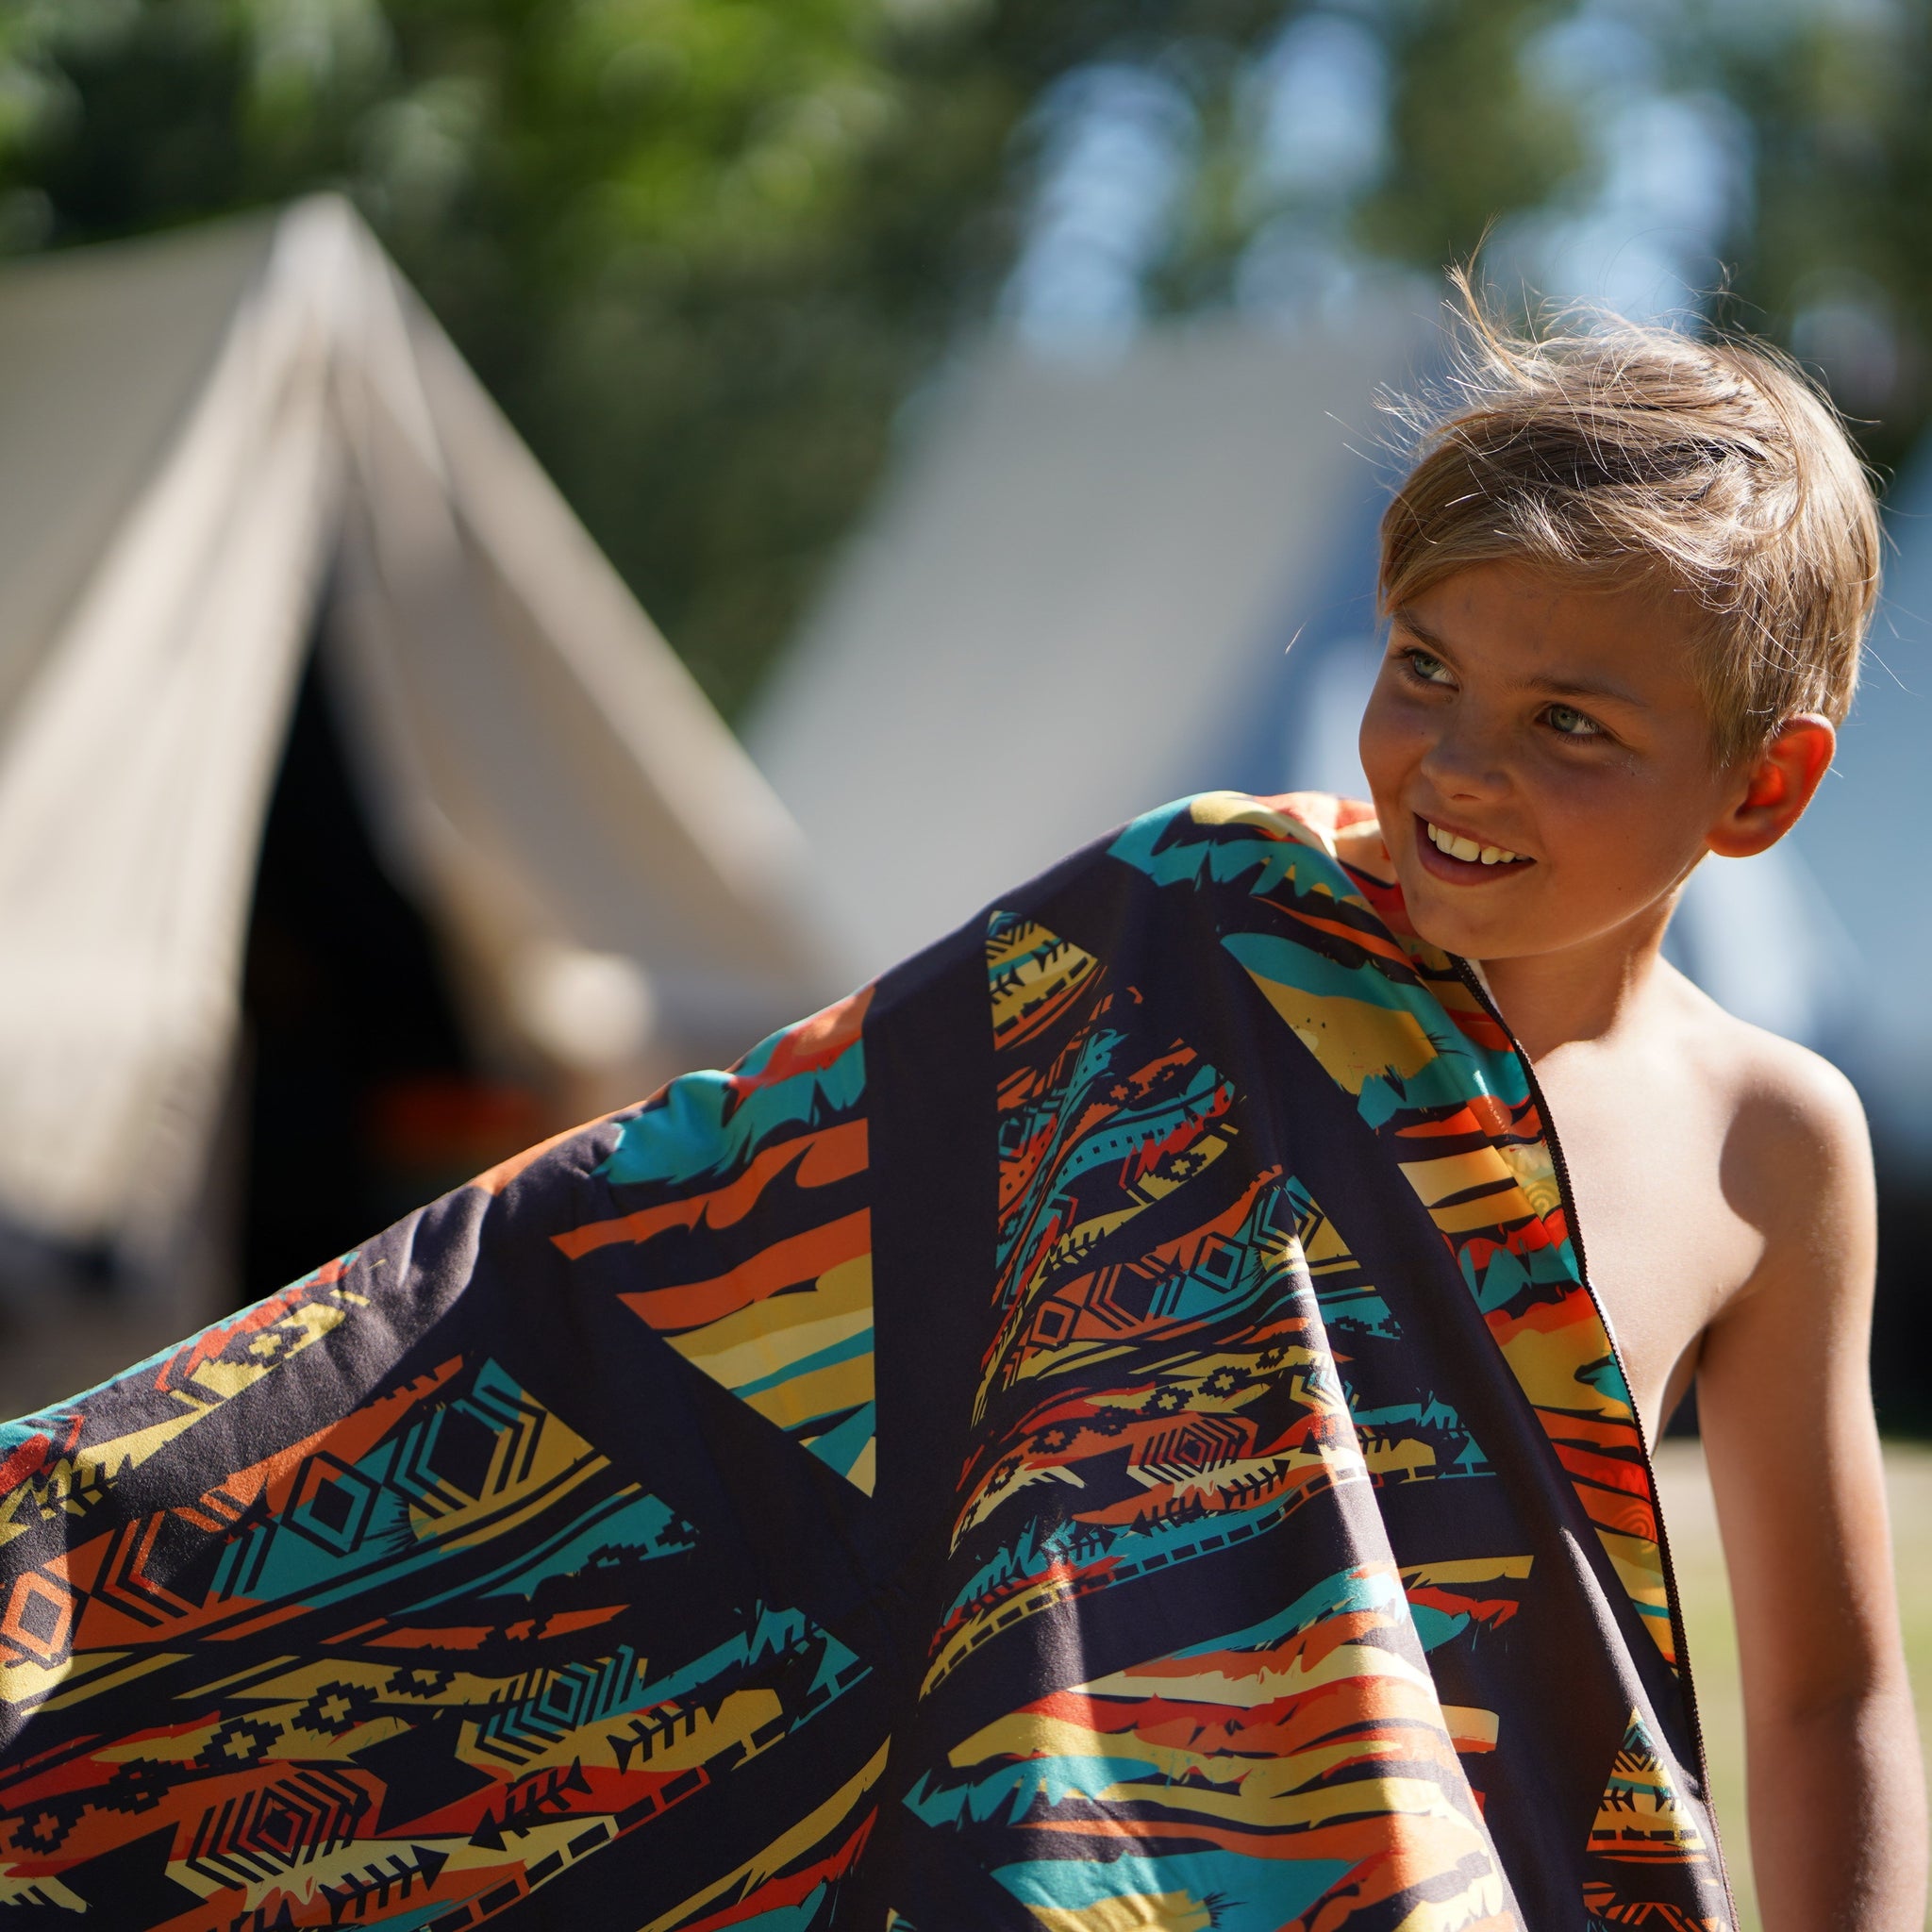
column 1465, row 930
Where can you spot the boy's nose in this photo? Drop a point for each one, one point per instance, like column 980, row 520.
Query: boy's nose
column 1466, row 764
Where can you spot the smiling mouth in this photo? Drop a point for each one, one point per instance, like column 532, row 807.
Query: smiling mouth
column 1455, row 854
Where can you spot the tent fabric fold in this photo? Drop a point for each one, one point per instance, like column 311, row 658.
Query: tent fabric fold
column 279, row 453
column 1106, row 1426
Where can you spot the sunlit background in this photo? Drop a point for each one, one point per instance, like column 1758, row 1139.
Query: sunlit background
column 980, row 398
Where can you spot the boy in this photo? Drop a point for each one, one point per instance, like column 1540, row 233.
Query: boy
column 1628, row 584
column 1107, row 1426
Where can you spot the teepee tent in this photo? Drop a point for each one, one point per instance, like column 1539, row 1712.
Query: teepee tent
column 235, row 464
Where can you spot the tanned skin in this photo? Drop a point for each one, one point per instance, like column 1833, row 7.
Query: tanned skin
column 1723, row 1177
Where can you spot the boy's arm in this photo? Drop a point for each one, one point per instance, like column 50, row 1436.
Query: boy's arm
column 1837, row 1794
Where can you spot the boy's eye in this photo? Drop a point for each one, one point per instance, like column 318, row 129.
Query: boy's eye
column 1571, row 723
column 1430, row 670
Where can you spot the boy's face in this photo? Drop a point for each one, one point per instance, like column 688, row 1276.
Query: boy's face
column 1561, row 724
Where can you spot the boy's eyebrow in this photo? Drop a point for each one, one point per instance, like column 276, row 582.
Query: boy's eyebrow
column 1568, row 688
column 1403, row 617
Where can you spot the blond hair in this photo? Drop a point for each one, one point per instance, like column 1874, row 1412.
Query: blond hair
column 1607, row 451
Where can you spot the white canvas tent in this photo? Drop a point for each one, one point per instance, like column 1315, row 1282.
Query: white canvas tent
column 1073, row 603
column 221, row 453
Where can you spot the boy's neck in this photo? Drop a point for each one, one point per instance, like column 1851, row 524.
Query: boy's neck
column 1584, row 992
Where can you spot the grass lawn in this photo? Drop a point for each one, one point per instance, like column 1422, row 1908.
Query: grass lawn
column 1713, row 1646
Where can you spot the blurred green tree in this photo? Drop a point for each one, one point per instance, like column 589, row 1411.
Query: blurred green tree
column 1835, row 260
column 703, row 250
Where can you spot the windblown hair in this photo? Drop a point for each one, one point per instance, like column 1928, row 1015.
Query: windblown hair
column 1607, row 452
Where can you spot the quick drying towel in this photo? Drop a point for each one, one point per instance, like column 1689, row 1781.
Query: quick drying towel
column 1104, row 1428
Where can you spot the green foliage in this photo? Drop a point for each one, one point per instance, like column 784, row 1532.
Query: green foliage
column 1473, row 138
column 703, row 250
column 700, row 248
column 1836, row 263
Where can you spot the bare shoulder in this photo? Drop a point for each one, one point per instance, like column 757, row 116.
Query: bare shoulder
column 1795, row 1143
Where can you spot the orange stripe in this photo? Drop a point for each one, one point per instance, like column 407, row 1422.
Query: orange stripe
column 452, row 1636
column 833, row 1153
column 1608, row 1434
column 1368, row 942
column 1484, row 1114
column 80, row 1565
column 784, row 1264
column 1464, row 1124
column 1478, row 1028
column 1575, row 1310
column 1606, row 1472
column 254, row 1625
column 24, row 1461
column 561, row 1621
column 813, row 1044
column 1613, row 1510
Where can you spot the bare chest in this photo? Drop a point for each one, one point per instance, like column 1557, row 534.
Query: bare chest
column 1665, row 1248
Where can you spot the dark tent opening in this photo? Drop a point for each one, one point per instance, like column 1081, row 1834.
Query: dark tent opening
column 364, row 1098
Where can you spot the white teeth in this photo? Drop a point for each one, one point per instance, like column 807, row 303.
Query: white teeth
column 1456, row 847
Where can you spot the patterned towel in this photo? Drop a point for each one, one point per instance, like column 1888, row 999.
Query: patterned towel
column 1103, row 1428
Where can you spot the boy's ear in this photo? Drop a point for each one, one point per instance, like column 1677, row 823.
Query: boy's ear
column 1778, row 786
